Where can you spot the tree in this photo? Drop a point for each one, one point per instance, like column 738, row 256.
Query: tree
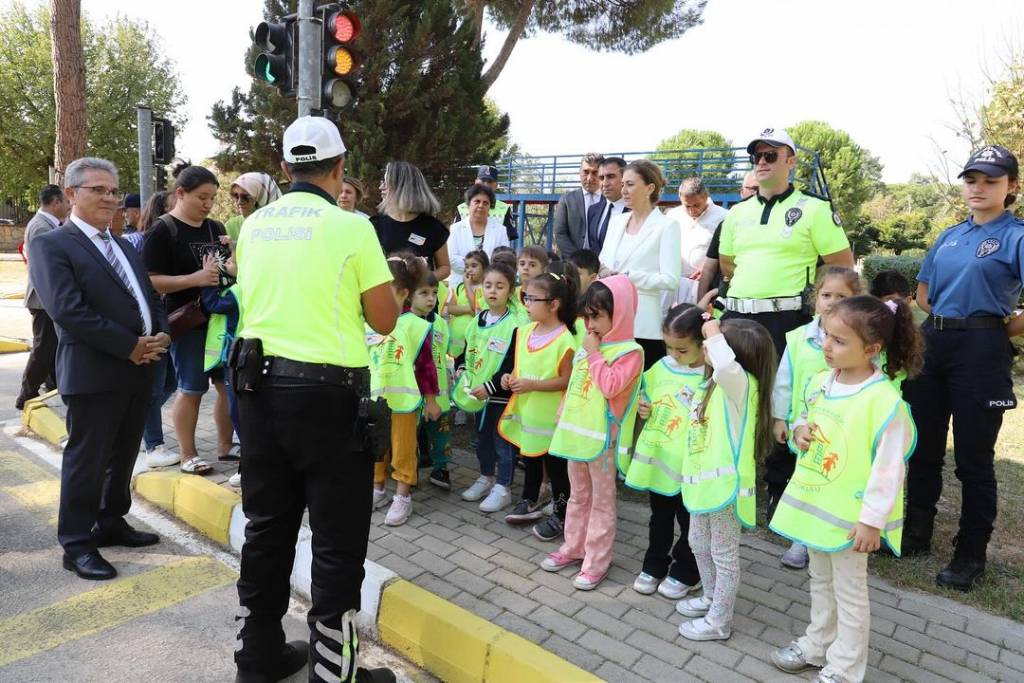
column 422, row 100
column 68, row 82
column 1002, row 118
column 677, row 166
column 628, row 26
column 122, row 68
column 902, row 231
column 852, row 172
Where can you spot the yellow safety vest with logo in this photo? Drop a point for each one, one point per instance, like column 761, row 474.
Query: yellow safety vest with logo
column 822, row 501
column 717, row 471
column 529, row 419
column 657, row 463
column 460, row 323
column 486, row 347
column 584, row 428
column 393, row 360
column 440, row 339
column 218, row 341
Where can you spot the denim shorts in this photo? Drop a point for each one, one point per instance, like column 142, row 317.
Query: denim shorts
column 188, row 353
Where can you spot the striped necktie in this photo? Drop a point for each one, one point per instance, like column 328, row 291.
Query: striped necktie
column 115, row 263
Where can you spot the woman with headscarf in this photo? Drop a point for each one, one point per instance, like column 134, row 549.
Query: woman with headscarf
column 250, row 191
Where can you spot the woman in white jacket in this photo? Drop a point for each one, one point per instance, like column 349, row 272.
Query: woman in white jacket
column 478, row 230
column 643, row 244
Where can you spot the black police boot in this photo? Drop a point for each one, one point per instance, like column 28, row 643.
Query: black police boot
column 967, row 566
column 292, row 658
column 381, row 675
column 917, row 533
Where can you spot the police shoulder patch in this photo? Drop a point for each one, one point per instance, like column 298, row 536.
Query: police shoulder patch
column 836, row 219
column 989, row 246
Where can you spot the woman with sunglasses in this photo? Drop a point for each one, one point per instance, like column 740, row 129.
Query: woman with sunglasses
column 249, row 191
column 768, row 252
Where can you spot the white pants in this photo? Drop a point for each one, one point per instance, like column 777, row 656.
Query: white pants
column 840, row 614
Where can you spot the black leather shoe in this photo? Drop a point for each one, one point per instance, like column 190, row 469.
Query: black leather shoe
column 128, row 537
column 961, row 574
column 293, row 658
column 90, row 566
column 375, row 676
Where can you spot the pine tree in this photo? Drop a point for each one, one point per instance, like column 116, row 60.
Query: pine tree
column 422, row 100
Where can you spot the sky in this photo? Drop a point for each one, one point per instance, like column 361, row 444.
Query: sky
column 884, row 71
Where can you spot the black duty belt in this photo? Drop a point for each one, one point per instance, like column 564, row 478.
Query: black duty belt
column 325, row 373
column 981, row 322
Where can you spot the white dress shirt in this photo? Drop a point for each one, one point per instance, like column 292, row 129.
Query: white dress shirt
column 615, row 208
column 54, row 221
column 589, row 199
column 694, row 236
column 94, row 238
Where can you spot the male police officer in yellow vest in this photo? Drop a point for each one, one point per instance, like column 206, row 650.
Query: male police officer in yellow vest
column 769, row 250
column 309, row 274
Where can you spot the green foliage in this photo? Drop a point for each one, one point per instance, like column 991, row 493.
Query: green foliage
column 1002, row 119
column 863, row 235
column 853, row 173
column 422, row 101
column 908, row 266
column 123, row 67
column 717, row 174
column 902, row 231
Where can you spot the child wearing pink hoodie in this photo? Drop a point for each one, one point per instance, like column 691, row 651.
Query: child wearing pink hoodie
column 595, row 426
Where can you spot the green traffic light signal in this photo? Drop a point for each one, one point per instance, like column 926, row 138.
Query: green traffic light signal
column 275, row 63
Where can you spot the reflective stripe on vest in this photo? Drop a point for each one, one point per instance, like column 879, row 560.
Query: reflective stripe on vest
column 823, row 499
column 392, row 362
column 584, row 430
column 529, row 419
column 486, row 348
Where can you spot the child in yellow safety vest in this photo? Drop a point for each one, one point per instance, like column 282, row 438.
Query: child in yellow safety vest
column 436, row 433
column 730, row 429
column 402, row 371
column 801, row 360
column 537, row 373
column 596, row 424
column 852, row 438
column 466, row 300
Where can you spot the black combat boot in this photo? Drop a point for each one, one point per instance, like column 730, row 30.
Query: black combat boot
column 292, row 658
column 917, row 533
column 967, row 566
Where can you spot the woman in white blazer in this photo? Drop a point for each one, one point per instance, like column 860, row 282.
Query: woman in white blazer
column 477, row 230
column 643, row 244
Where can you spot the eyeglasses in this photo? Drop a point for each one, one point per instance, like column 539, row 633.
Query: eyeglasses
column 528, row 299
column 103, row 191
column 769, row 157
column 241, row 198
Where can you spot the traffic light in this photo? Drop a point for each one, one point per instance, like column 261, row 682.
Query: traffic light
column 163, row 141
column 277, row 61
column 340, row 70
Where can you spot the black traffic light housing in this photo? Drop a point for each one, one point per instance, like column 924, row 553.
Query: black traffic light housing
column 339, row 80
column 277, row 62
column 163, row 141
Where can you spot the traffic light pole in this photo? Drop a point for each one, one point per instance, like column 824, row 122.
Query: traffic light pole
column 310, row 36
column 145, row 153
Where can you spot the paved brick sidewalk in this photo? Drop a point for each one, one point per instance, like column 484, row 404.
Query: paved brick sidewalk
column 490, row 568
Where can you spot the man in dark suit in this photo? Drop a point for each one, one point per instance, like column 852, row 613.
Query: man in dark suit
column 570, row 224
column 111, row 327
column 53, row 210
column 611, row 204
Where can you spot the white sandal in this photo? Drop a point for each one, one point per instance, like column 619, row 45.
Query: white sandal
column 196, row 465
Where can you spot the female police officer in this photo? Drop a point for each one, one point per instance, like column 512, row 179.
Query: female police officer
column 969, row 284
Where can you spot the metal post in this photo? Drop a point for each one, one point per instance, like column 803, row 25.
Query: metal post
column 145, row 153
column 310, row 49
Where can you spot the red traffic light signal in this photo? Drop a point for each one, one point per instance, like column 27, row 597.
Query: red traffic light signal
column 339, row 71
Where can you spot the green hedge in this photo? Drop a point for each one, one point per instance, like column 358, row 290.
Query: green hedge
column 909, row 266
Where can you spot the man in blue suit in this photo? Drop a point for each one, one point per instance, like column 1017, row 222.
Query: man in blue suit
column 111, row 327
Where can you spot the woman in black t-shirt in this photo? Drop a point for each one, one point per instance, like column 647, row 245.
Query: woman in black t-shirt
column 406, row 220
column 185, row 250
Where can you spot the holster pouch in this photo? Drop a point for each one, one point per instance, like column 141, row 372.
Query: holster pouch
column 245, row 364
column 373, row 427
column 808, row 300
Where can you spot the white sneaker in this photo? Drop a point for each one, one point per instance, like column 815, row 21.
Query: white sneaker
column 235, row 480
column 380, row 499
column 700, row 629
column 480, row 488
column 398, row 513
column 694, row 607
column 676, row 590
column 159, row 456
column 645, row 584
column 795, row 557
column 498, row 499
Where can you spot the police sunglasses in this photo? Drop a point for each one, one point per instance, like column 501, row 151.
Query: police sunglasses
column 769, row 157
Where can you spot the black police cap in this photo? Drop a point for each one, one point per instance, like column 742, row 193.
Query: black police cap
column 992, row 160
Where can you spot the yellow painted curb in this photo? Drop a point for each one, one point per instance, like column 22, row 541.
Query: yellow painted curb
column 196, row 501
column 458, row 646
column 13, row 295
column 11, row 345
column 42, row 420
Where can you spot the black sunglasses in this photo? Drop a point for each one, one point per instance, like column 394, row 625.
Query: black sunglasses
column 769, row 157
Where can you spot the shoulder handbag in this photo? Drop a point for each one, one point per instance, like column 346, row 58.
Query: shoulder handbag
column 188, row 316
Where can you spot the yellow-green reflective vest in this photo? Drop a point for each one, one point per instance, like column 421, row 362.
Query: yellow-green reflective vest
column 498, row 211
column 584, row 428
column 657, row 462
column 822, row 501
column 718, row 472
column 486, row 347
column 529, row 419
column 392, row 362
column 218, row 341
column 440, row 338
column 581, row 329
column 460, row 323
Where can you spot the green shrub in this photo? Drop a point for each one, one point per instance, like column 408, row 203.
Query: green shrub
column 909, row 266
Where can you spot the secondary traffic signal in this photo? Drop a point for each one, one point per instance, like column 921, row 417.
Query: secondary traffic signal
column 340, row 71
column 163, row 141
column 277, row 42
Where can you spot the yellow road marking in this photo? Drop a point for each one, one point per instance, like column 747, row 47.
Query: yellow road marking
column 39, row 497
column 109, row 605
column 15, row 468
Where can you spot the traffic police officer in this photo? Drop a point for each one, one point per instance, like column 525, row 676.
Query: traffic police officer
column 970, row 285
column 488, row 175
column 769, row 248
column 308, row 275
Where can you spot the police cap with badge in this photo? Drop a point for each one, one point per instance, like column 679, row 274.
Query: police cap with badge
column 992, row 160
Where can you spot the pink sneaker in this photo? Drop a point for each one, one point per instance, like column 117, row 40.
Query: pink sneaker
column 557, row 561
column 587, row 582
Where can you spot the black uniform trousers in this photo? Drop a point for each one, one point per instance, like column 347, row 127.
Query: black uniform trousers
column 967, row 376
column 662, row 557
column 780, row 462
column 104, row 431
column 41, row 361
column 297, row 440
